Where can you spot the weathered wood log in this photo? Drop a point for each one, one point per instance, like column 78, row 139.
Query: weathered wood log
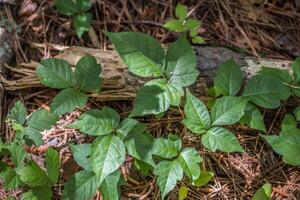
column 120, row 84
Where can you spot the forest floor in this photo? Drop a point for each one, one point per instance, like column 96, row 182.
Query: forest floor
column 262, row 28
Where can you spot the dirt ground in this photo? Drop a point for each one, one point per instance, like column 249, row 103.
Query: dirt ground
column 262, row 28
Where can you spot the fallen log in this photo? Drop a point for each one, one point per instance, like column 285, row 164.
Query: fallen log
column 120, row 84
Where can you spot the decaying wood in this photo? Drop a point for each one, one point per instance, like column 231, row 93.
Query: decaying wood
column 120, row 84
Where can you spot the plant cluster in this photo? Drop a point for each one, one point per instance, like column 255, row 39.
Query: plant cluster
column 172, row 70
column 77, row 9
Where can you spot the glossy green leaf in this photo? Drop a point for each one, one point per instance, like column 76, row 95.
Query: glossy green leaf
column 33, row 136
column 229, row 78
column 41, row 120
column 151, row 99
column 139, row 146
column 181, row 11
column 197, row 117
column 175, row 93
column 18, row 113
column 67, row 100
column 168, row 173
column 266, row 91
column 228, row 110
column 181, row 63
column 143, row 55
column 166, row 148
column 189, row 160
column 81, row 186
column 192, row 24
column 218, row 138
column 183, row 192
column 81, row 153
column 55, row 73
column 32, row 175
column 203, row 179
column 82, row 23
column 107, row 155
column 17, row 153
column 110, row 187
column 281, row 74
column 297, row 113
column 52, row 165
column 87, row 73
column 97, row 122
column 286, row 144
column 175, row 25
column 11, row 180
column 263, row 193
column 253, row 118
column 128, row 126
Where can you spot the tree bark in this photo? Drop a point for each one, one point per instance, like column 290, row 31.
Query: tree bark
column 120, row 84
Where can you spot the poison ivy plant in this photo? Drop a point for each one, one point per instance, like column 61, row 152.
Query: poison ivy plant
column 145, row 57
column 175, row 162
column 78, row 9
column 287, row 143
column 28, row 131
column 27, row 173
column 185, row 25
column 263, row 193
column 227, row 110
column 101, row 159
column 57, row 73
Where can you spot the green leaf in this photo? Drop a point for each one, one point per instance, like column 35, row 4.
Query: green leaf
column 296, row 70
column 29, row 196
column 198, row 40
column 107, row 155
column 110, row 187
column 193, row 33
column 18, row 113
column 52, row 165
column 166, row 148
column 297, row 113
column 128, row 126
column 17, row 153
column 203, row 179
column 192, row 24
column 181, row 11
column 218, row 138
column 87, row 73
column 181, row 63
column 81, row 186
column 67, row 100
column 143, row 55
column 11, row 180
column 253, row 118
column 189, row 160
column 286, row 144
column 55, row 73
column 139, row 146
column 33, row 135
column 281, row 74
column 41, row 120
column 266, row 91
column 263, row 193
column 32, row 175
column 168, row 173
column 174, row 92
column 143, row 167
column 66, row 7
column 197, row 117
column 82, row 23
column 42, row 192
column 83, row 5
column 228, row 110
column 175, row 25
column 183, row 192
column 97, row 122
column 288, row 120
column 229, row 78
column 151, row 99
column 81, row 153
